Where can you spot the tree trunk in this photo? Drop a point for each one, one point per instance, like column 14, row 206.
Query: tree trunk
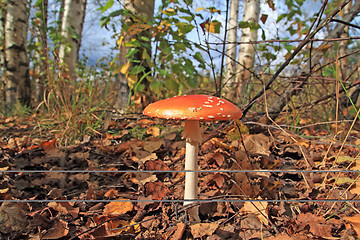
column 2, row 48
column 343, row 46
column 246, row 52
column 231, row 47
column 16, row 60
column 141, row 10
column 71, row 29
column 41, row 52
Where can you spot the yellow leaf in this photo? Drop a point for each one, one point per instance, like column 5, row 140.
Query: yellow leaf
column 115, row 209
column 125, row 68
column 199, row 9
column 258, row 209
column 169, row 10
column 4, row 190
column 344, row 159
column 155, row 131
column 119, row 41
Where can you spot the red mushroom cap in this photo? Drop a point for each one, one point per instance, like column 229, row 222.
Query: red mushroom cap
column 193, row 107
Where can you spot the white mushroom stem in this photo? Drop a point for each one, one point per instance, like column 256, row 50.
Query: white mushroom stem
column 192, row 134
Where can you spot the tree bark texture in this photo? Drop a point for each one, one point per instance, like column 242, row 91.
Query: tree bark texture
column 231, row 46
column 71, row 29
column 41, row 53
column 16, row 73
column 2, row 48
column 246, row 52
column 143, row 11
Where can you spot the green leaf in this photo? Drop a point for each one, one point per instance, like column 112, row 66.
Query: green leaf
column 136, row 69
column 200, row 59
column 131, row 52
column 184, row 28
column 107, row 6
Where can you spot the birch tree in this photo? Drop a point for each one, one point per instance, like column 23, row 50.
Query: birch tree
column 231, row 46
column 17, row 81
column 246, row 52
column 71, row 29
column 41, row 51
column 140, row 11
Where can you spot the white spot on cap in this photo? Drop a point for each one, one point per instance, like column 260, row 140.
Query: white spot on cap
column 208, row 106
column 221, row 109
column 192, row 109
column 211, row 116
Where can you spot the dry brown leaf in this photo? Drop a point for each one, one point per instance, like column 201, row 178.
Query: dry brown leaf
column 179, row 232
column 317, row 224
column 216, row 178
column 154, row 131
column 12, row 217
column 111, row 193
column 152, row 146
column 59, row 230
column 354, row 221
column 156, row 165
column 258, row 144
column 200, row 230
column 259, row 209
column 115, row 209
column 64, row 208
column 117, row 226
column 143, row 177
column 156, row 189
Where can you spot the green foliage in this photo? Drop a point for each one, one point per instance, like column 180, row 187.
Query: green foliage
column 175, row 63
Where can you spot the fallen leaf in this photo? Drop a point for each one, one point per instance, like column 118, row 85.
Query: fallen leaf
column 115, row 209
column 60, row 229
column 152, row 146
column 259, row 209
column 154, row 131
column 317, row 224
column 143, row 177
column 258, row 144
column 156, row 165
column 64, row 208
column 156, row 189
column 199, row 230
column 12, row 217
column 354, row 221
column 117, row 226
column 179, row 232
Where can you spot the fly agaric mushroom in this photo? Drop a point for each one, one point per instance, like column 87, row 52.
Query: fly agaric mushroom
column 192, row 109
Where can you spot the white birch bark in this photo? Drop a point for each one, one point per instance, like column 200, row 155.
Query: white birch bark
column 16, row 59
column 41, row 52
column 231, row 46
column 71, row 29
column 246, row 52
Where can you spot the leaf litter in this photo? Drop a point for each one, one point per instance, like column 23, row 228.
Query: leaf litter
column 160, row 147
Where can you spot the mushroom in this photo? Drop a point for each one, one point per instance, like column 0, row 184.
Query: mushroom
column 192, row 109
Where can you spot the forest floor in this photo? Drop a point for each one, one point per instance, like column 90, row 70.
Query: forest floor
column 92, row 189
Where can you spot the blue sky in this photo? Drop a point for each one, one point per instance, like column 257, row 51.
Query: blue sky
column 98, row 42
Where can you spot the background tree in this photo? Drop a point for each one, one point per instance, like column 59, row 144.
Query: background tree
column 41, row 50
column 135, row 12
column 245, row 64
column 231, row 50
column 71, row 29
column 16, row 73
